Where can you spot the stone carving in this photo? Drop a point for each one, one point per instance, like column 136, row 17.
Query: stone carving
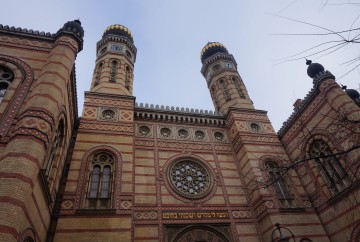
column 183, row 133
column 255, row 128
column 199, row 135
column 144, row 131
column 165, row 132
column 219, row 136
column 107, row 114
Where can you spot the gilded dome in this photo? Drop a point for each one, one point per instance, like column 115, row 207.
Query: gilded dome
column 212, row 48
column 117, row 29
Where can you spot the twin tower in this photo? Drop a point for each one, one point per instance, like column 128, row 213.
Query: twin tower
column 116, row 56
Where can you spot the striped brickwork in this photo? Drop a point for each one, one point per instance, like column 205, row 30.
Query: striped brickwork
column 77, row 221
column 40, row 94
column 252, row 149
column 325, row 117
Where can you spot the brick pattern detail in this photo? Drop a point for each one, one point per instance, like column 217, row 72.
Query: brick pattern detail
column 90, row 112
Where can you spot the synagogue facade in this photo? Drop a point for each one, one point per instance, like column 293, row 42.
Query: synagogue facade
column 132, row 172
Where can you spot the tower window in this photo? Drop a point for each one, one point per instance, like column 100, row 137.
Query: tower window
column 237, row 86
column 100, row 180
column 216, row 67
column 329, row 166
column 98, row 74
column 127, row 78
column 6, row 78
column 225, row 90
column 128, row 54
column 279, row 185
column 114, row 65
column 214, row 98
column 52, row 166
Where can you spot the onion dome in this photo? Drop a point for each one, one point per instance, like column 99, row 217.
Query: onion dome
column 74, row 25
column 212, row 48
column 353, row 94
column 314, row 68
column 120, row 30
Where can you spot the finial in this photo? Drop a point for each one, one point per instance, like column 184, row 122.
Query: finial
column 77, row 21
column 308, row 62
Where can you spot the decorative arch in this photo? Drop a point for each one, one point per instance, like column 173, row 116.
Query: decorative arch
column 282, row 189
column 225, row 89
column 23, row 77
column 114, row 65
column 200, row 233
column 98, row 72
column 84, row 172
column 28, row 235
column 198, row 164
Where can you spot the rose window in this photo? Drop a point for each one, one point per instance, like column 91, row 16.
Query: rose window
column 255, row 127
column 108, row 114
column 144, row 130
column 199, row 135
column 183, row 133
column 165, row 132
column 219, row 136
column 190, row 178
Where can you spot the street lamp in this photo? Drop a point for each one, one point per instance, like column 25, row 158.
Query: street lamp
column 282, row 236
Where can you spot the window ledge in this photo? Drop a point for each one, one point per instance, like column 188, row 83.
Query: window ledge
column 346, row 191
column 45, row 185
column 96, row 211
column 292, row 210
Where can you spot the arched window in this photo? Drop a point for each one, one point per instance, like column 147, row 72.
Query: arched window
column 113, row 72
column 28, row 239
column 98, row 74
column 100, row 180
column 225, row 90
column 6, row 78
column 237, row 86
column 55, row 156
column 214, row 98
column 280, row 187
column 127, row 77
column 329, row 165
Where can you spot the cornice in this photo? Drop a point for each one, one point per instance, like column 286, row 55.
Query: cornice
column 315, row 90
column 216, row 57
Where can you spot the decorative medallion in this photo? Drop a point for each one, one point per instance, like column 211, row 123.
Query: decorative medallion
column 108, row 114
column 189, row 178
column 183, row 133
column 144, row 131
column 165, row 132
column 219, row 136
column 199, row 135
column 255, row 127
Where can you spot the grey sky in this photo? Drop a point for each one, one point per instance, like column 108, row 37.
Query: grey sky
column 169, row 36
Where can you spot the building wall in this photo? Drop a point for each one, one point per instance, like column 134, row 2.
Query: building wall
column 29, row 117
column 327, row 115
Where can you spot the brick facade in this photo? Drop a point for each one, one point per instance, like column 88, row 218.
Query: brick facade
column 134, row 172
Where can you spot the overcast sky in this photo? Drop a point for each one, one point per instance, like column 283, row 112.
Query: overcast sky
column 169, row 36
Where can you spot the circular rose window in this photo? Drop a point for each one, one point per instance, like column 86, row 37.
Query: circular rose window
column 190, row 178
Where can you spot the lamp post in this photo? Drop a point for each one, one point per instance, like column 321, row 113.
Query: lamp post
column 282, row 237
